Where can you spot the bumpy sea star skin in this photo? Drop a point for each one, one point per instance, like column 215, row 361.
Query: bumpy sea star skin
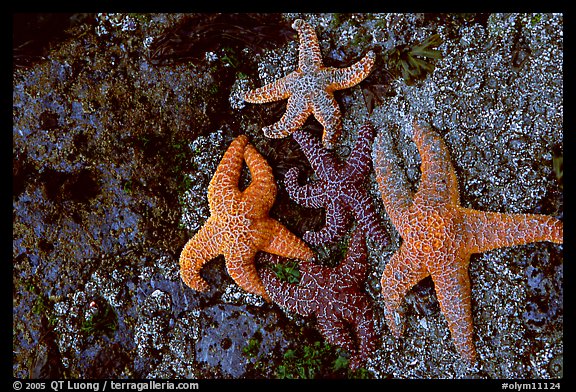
column 310, row 89
column 339, row 189
column 335, row 296
column 239, row 225
column 439, row 235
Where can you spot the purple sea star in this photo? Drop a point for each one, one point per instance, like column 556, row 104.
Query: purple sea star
column 335, row 296
column 339, row 188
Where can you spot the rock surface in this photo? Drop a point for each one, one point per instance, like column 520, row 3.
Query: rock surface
column 113, row 149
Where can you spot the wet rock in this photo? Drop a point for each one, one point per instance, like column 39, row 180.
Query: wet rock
column 109, row 362
column 152, row 327
column 47, row 361
column 195, row 202
column 544, row 297
column 178, row 360
column 88, row 172
column 235, row 338
column 113, row 154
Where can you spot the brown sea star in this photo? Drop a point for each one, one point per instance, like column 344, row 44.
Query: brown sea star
column 339, row 189
column 439, row 235
column 310, row 89
column 335, row 296
column 239, row 225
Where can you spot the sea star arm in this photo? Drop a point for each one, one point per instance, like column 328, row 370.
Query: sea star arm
column 361, row 319
column 491, row 230
column 282, row 242
column 336, row 221
column 294, row 297
column 202, row 247
column 366, row 216
column 359, row 162
column 311, row 195
column 342, row 78
column 262, row 190
column 336, row 332
column 241, row 267
column 354, row 265
column 274, row 91
column 438, row 183
column 296, row 114
column 327, row 112
column 309, row 54
column 223, row 186
column 321, row 160
column 392, row 183
column 400, row 275
column 453, row 293
column 365, row 329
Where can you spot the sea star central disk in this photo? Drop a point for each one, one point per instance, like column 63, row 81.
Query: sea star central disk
column 439, row 235
column 239, row 225
column 310, row 89
column 335, row 296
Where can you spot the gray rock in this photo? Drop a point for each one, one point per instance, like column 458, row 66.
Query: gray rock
column 113, row 155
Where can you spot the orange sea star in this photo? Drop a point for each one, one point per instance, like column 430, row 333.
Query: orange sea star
column 439, row 235
column 310, row 89
column 239, row 225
